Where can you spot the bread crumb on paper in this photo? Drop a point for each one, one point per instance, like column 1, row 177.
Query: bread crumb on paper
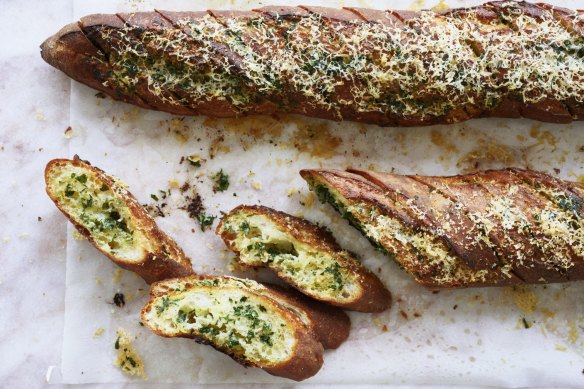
column 117, row 275
column 128, row 359
column 77, row 235
column 256, row 185
column 69, row 133
column 98, row 332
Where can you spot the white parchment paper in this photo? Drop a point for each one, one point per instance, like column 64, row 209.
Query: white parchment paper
column 473, row 336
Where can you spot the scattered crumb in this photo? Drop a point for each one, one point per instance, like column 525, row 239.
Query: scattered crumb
column 78, row 236
column 98, row 281
column 69, row 133
column 117, row 275
column 98, row 332
column 441, row 6
column 119, row 300
column 39, row 115
column 292, row 191
column 40, row 219
column 256, row 185
column 561, row 347
column 173, row 184
column 128, row 359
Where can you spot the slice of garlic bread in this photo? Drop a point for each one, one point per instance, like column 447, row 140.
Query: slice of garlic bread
column 304, row 255
column 229, row 315
column 330, row 324
column 102, row 209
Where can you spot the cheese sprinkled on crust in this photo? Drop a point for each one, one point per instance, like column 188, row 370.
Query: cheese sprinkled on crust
column 426, row 66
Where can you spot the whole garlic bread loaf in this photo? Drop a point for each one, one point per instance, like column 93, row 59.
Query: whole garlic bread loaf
column 386, row 67
column 491, row 228
column 229, row 315
column 304, row 255
column 102, row 210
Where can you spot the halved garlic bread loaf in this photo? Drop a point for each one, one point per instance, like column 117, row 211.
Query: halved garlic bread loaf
column 230, row 315
column 330, row 324
column 489, row 228
column 304, row 255
column 110, row 217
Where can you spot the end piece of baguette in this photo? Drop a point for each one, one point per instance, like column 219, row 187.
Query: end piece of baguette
column 304, row 255
column 230, row 315
column 103, row 211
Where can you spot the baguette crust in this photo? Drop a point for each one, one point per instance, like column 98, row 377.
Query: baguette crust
column 371, row 294
column 491, row 228
column 391, row 68
column 306, row 354
column 160, row 260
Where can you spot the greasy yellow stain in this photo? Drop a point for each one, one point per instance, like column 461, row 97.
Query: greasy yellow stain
column 543, row 137
column 441, row 6
column 438, row 139
column 256, row 127
column 523, row 298
column 573, row 334
column 487, row 152
column 117, row 275
column 416, row 5
column 315, row 139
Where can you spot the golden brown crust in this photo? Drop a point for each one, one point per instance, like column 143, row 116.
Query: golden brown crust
column 307, row 356
column 167, row 261
column 374, row 297
column 331, row 325
column 518, row 226
column 84, row 51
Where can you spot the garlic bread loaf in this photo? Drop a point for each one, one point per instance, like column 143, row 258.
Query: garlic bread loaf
column 228, row 314
column 491, row 228
column 304, row 255
column 386, row 67
column 101, row 209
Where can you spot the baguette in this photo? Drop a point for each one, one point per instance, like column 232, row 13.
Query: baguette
column 330, row 325
column 304, row 255
column 228, row 314
column 491, row 228
column 102, row 210
column 391, row 68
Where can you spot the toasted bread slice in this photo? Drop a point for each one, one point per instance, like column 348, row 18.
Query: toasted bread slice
column 330, row 324
column 103, row 211
column 230, row 315
column 304, row 255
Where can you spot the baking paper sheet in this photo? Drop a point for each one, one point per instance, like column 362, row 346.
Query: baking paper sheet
column 473, row 336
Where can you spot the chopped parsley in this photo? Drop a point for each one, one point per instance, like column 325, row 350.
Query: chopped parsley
column 335, row 271
column 154, row 197
column 221, row 181
column 166, row 302
column 206, row 221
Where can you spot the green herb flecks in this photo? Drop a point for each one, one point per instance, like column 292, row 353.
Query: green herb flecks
column 205, row 221
column 221, row 181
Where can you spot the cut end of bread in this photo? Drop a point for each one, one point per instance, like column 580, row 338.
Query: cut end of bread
column 299, row 252
column 97, row 207
column 422, row 255
column 254, row 329
column 260, row 241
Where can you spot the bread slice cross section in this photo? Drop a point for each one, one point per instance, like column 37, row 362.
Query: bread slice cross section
column 111, row 218
column 304, row 255
column 230, row 315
